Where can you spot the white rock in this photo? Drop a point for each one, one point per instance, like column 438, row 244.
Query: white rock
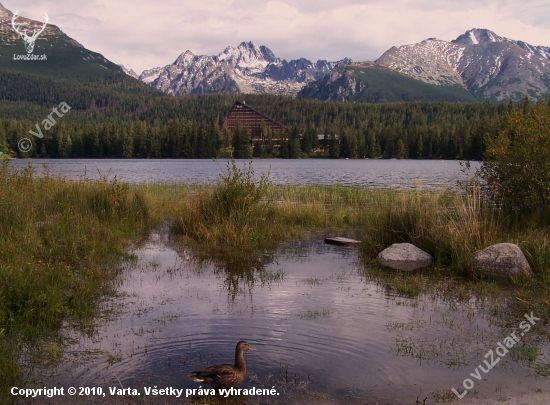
column 404, row 256
column 502, row 260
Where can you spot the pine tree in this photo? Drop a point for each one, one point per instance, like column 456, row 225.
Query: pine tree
column 345, row 147
column 293, row 143
column 399, row 152
column 377, row 148
column 333, row 146
column 258, row 151
column 241, row 143
column 128, row 143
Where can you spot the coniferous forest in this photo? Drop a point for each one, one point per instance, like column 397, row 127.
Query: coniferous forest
column 119, row 117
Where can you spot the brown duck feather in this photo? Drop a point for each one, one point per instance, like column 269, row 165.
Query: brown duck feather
column 224, row 376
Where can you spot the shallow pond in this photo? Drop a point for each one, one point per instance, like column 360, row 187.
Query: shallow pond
column 324, row 331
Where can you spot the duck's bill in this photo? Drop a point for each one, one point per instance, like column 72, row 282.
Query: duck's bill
column 251, row 348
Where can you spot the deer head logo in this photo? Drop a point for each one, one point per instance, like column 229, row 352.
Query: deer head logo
column 29, row 40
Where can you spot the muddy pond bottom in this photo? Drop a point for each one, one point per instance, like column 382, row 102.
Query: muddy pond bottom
column 324, row 333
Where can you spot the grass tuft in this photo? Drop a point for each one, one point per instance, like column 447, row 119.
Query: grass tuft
column 232, row 215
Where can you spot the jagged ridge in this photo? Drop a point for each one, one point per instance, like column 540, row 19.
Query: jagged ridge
column 491, row 67
column 248, row 69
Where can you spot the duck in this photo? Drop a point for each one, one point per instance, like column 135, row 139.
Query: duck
column 225, row 376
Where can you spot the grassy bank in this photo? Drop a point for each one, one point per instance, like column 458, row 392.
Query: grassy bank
column 243, row 216
column 60, row 242
column 243, row 213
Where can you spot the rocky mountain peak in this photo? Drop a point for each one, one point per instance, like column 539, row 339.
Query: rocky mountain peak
column 260, row 52
column 129, row 72
column 491, row 67
column 477, row 36
column 4, row 13
column 248, row 57
column 185, row 58
column 8, row 34
column 486, row 65
column 248, row 68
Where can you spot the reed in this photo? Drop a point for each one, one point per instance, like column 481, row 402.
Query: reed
column 233, row 215
column 60, row 241
column 452, row 227
column 243, row 213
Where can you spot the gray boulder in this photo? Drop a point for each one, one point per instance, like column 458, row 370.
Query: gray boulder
column 502, row 260
column 404, row 256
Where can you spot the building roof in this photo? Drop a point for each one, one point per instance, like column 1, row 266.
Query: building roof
column 242, row 107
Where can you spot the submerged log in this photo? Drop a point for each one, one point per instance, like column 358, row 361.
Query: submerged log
column 338, row 240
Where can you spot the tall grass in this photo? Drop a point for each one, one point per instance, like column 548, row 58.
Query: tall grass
column 232, row 215
column 240, row 212
column 451, row 227
column 60, row 240
column 59, row 243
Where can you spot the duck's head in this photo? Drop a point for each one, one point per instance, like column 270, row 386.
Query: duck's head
column 244, row 346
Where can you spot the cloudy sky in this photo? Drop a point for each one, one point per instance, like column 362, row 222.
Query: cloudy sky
column 145, row 34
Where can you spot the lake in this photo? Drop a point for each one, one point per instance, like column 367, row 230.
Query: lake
column 376, row 173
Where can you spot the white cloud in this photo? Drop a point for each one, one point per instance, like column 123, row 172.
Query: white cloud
column 142, row 34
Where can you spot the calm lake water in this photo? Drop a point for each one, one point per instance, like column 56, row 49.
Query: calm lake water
column 325, row 332
column 379, row 173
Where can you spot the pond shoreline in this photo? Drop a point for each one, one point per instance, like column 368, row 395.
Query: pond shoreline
column 164, row 266
column 189, row 300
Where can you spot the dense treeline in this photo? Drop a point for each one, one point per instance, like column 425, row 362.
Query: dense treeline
column 119, row 117
column 180, row 138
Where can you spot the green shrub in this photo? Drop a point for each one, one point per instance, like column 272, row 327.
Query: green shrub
column 231, row 215
column 516, row 167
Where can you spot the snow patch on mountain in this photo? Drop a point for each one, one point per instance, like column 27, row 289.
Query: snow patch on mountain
column 431, row 61
column 129, row 72
column 488, row 65
column 249, row 68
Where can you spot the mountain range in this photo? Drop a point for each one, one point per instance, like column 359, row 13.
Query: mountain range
column 249, row 68
column 489, row 66
column 478, row 65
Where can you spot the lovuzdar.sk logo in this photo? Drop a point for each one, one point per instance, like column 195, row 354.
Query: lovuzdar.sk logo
column 29, row 39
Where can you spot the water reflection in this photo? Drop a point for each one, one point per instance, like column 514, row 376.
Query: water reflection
column 326, row 329
column 238, row 270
